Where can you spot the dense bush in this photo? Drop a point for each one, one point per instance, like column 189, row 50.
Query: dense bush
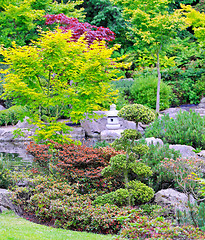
column 57, row 201
column 144, row 91
column 12, row 115
column 137, row 192
column 140, row 193
column 154, row 158
column 137, row 113
column 184, row 172
column 119, row 198
column 158, row 228
column 128, row 165
column 78, row 164
column 4, row 176
column 188, row 128
column 124, row 86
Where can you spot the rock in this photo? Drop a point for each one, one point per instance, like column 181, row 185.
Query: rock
column 6, row 135
column 78, row 132
column 94, row 127
column 111, row 134
column 3, row 209
column 25, row 124
column 201, row 154
column 185, row 151
column 202, row 103
column 6, row 202
column 17, row 147
column 154, row 141
column 172, row 112
column 201, row 111
column 2, row 108
column 174, row 199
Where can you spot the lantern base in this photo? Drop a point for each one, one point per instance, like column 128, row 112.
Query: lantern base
column 113, row 127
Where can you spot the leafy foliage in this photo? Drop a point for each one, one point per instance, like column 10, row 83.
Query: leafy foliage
column 137, row 113
column 57, row 201
column 154, row 158
column 144, row 91
column 12, row 115
column 90, row 32
column 186, row 77
column 20, row 19
column 153, row 26
column 195, row 216
column 103, row 13
column 77, row 164
column 187, row 128
column 129, row 163
column 57, row 72
column 185, row 172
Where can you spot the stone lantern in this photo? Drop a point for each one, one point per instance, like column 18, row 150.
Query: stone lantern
column 112, row 118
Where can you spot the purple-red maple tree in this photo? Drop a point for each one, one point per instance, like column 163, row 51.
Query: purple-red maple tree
column 78, row 29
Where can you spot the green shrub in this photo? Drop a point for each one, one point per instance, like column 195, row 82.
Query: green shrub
column 153, row 158
column 49, row 199
column 4, row 176
column 195, row 216
column 140, row 193
column 101, row 144
column 12, row 115
column 123, row 85
column 119, row 198
column 144, row 91
column 187, row 129
column 137, row 113
column 187, row 84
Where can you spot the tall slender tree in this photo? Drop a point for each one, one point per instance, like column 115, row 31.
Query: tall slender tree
column 153, row 27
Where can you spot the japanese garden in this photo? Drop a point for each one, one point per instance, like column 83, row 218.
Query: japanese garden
column 103, row 104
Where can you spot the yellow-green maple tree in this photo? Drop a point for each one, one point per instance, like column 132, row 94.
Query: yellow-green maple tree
column 57, row 72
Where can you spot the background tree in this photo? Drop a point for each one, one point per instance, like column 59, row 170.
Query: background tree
column 153, row 27
column 20, row 19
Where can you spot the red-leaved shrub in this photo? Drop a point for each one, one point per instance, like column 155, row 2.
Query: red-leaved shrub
column 78, row 164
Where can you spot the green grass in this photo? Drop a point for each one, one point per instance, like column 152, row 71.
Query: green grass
column 13, row 227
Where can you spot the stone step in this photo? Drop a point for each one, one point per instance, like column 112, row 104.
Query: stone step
column 201, row 111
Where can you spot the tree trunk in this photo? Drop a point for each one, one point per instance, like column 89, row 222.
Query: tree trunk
column 159, row 81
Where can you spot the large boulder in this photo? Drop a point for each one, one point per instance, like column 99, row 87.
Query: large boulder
column 154, row 141
column 201, row 154
column 6, row 135
column 111, row 134
column 201, row 111
column 77, row 132
column 202, row 103
column 185, row 151
column 2, row 108
column 25, row 124
column 6, row 202
column 94, row 127
column 172, row 199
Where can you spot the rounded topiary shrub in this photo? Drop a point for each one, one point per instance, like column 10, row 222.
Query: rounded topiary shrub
column 144, row 91
column 140, row 192
column 137, row 113
column 131, row 134
column 119, row 198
